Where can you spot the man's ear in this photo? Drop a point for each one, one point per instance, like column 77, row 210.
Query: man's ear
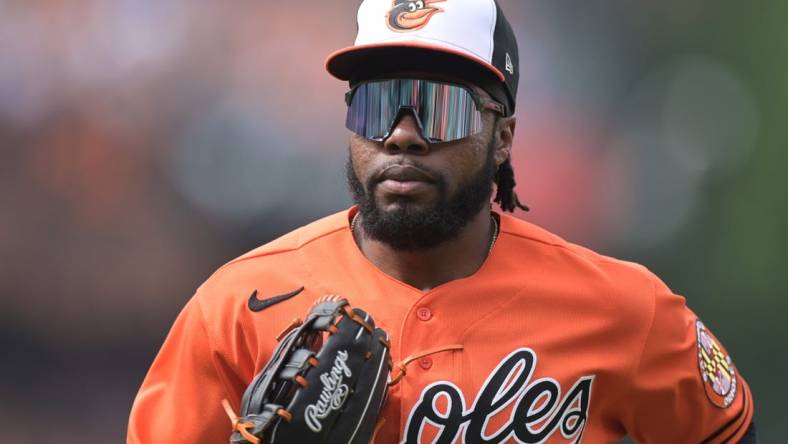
column 504, row 136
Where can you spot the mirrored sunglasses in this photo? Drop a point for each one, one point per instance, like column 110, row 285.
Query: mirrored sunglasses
column 444, row 112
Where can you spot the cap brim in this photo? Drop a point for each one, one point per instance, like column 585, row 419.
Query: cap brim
column 355, row 62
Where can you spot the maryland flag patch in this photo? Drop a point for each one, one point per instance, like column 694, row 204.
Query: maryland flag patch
column 716, row 368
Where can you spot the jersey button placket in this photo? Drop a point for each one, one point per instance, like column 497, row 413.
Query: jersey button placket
column 424, row 314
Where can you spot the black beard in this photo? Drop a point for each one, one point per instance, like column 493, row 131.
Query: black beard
column 409, row 228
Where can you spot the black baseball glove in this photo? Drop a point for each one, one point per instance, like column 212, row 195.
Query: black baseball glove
column 325, row 383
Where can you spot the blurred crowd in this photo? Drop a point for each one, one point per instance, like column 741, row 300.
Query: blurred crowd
column 144, row 143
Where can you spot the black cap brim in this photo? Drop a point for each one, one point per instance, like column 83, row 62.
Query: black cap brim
column 359, row 61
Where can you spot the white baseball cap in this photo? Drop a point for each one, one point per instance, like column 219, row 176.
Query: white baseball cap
column 467, row 38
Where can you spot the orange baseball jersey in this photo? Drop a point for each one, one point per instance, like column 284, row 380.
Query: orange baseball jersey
column 546, row 342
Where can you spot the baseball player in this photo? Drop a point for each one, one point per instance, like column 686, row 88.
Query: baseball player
column 498, row 331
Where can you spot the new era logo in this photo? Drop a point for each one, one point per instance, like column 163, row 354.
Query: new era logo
column 509, row 64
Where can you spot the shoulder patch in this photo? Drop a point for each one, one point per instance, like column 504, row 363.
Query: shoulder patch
column 716, row 368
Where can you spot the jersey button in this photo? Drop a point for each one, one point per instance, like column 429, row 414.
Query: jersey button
column 425, row 363
column 424, row 313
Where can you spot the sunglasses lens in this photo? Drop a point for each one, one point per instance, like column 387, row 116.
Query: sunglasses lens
column 444, row 112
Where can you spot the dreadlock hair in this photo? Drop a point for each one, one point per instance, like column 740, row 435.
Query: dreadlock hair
column 505, row 196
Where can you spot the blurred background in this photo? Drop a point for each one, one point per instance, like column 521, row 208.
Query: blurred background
column 144, row 143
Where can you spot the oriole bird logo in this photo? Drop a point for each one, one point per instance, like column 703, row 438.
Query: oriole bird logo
column 409, row 15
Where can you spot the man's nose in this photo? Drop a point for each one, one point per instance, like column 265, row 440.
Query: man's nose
column 406, row 137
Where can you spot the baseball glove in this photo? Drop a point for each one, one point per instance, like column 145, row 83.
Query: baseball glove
column 325, row 383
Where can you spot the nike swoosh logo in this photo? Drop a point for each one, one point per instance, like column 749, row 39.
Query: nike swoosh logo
column 260, row 305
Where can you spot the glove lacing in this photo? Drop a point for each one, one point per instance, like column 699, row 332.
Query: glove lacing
column 402, row 365
column 240, row 427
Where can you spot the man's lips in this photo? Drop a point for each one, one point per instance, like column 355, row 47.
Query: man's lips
column 404, row 179
column 405, row 173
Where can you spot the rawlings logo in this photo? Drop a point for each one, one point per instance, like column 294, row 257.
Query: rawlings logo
column 410, row 15
column 538, row 410
column 333, row 394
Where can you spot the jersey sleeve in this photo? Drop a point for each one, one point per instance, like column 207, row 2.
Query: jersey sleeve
column 180, row 398
column 685, row 387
